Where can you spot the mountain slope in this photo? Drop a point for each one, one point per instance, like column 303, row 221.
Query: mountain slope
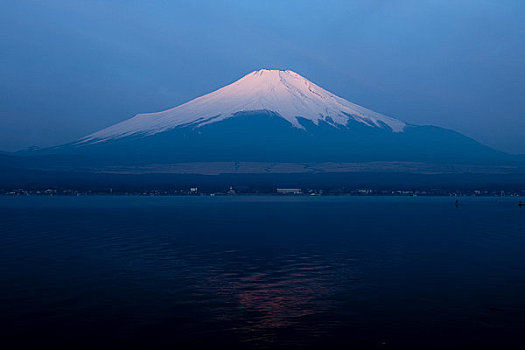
column 264, row 136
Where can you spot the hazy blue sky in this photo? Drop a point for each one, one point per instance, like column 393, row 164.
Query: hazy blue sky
column 68, row 68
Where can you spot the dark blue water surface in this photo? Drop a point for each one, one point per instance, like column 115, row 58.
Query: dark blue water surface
column 262, row 272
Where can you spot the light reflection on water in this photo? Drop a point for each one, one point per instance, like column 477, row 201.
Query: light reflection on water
column 278, row 298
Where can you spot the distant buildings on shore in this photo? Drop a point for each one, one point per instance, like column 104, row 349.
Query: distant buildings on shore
column 232, row 190
column 289, row 191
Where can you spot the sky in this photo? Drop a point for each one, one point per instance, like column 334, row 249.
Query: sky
column 69, row 68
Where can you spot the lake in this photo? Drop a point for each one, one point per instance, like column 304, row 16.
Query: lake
column 262, row 272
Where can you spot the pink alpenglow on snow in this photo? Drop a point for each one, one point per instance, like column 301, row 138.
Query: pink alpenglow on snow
column 285, row 93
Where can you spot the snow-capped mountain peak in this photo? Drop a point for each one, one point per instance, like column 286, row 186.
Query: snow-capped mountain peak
column 285, row 93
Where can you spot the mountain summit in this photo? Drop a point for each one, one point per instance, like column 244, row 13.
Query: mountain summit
column 285, row 93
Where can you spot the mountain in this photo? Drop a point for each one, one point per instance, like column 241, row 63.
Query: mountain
column 266, row 117
column 272, row 116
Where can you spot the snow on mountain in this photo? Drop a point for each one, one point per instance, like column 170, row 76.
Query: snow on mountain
column 284, row 92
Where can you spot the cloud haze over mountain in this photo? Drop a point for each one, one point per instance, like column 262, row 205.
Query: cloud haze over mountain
column 70, row 68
